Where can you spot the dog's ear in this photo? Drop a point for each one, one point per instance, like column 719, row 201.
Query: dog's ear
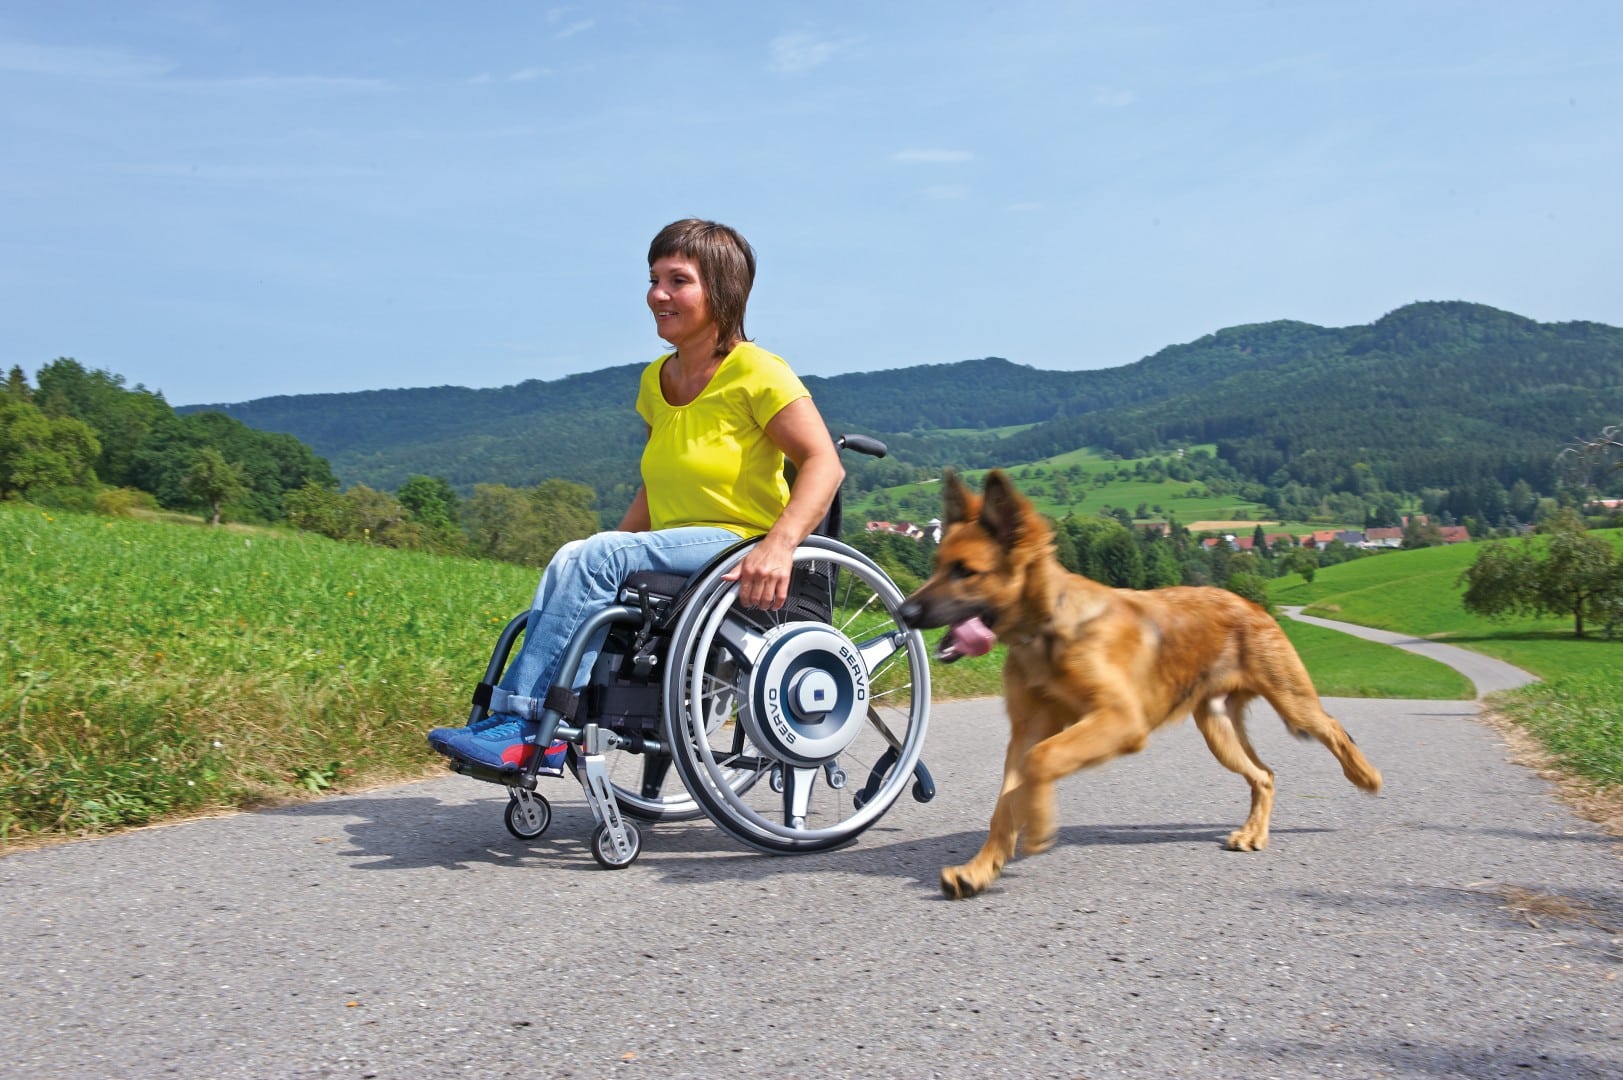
column 1003, row 510
column 961, row 503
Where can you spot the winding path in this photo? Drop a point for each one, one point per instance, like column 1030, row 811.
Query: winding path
column 1489, row 675
column 1462, row 923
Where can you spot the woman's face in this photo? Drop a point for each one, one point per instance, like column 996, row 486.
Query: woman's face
column 677, row 298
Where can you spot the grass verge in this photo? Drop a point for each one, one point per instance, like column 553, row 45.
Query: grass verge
column 150, row 671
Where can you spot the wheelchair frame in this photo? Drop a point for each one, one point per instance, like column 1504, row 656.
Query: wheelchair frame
column 731, row 697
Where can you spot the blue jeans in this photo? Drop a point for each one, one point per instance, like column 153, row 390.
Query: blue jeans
column 582, row 579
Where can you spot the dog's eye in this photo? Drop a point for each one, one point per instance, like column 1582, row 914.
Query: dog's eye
column 958, row 570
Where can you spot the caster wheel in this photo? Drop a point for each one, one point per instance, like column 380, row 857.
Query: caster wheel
column 604, row 852
column 527, row 818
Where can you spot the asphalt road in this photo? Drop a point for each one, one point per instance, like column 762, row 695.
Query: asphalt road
column 1461, row 923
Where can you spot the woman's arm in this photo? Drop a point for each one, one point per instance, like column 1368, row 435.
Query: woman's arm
column 798, row 430
column 637, row 519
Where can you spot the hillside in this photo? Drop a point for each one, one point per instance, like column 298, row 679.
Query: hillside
column 1433, row 395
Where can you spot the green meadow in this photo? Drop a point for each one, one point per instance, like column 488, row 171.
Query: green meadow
column 1575, row 712
column 153, row 669
column 1418, row 592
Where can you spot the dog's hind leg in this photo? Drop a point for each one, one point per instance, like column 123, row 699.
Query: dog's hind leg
column 1297, row 703
column 1222, row 721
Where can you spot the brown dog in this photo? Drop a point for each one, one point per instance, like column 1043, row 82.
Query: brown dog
column 1092, row 670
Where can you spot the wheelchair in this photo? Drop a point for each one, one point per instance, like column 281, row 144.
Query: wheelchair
column 794, row 730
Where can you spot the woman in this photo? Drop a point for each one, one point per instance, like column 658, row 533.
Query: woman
column 722, row 415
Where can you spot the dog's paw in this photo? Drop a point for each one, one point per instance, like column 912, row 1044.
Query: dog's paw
column 1246, row 840
column 960, row 883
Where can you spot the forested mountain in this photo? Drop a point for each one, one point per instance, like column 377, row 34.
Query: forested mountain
column 1433, row 395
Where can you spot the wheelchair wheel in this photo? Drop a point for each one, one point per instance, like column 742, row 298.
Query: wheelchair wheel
column 604, row 852
column 528, row 815
column 812, row 698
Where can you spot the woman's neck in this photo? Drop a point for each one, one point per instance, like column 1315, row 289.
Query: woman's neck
column 700, row 353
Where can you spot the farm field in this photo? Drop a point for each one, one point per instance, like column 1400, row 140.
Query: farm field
column 1085, row 482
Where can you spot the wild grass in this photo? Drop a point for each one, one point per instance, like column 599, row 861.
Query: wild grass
column 1578, row 720
column 149, row 669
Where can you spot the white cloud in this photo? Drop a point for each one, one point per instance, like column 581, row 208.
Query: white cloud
column 579, row 26
column 1107, row 98
column 79, row 63
column 792, row 54
column 932, row 157
column 290, row 82
column 526, row 74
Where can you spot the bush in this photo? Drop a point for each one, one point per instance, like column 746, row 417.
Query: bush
column 121, row 502
column 1253, row 588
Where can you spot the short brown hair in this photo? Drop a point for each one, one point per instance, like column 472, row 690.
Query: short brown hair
column 726, row 268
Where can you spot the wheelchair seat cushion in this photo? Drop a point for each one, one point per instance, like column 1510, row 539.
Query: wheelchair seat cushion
column 656, row 583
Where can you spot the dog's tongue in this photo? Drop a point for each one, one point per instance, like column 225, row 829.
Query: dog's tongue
column 968, row 638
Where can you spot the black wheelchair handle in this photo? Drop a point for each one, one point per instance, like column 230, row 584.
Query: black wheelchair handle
column 862, row 444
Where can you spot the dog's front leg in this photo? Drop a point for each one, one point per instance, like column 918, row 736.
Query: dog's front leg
column 962, row 882
column 1017, row 802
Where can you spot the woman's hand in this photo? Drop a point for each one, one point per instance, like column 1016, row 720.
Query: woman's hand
column 763, row 574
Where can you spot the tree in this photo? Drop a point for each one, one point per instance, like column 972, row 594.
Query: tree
column 1119, row 560
column 528, row 526
column 39, row 452
column 430, row 500
column 1304, row 561
column 1251, row 586
column 374, row 515
column 214, row 481
column 1161, row 567
column 1570, row 573
column 319, row 509
column 121, row 417
column 17, row 384
column 1420, row 533
column 1580, row 574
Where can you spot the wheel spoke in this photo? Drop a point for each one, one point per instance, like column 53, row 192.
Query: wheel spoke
column 879, row 649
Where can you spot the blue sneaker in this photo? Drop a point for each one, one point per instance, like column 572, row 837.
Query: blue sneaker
column 498, row 742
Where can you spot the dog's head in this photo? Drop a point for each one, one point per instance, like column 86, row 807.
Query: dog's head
column 986, row 543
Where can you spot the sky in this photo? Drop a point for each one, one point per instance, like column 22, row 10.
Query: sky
column 225, row 201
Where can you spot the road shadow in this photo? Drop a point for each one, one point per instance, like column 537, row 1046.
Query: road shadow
column 417, row 832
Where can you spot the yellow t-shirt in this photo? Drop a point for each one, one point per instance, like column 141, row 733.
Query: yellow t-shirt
column 709, row 462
